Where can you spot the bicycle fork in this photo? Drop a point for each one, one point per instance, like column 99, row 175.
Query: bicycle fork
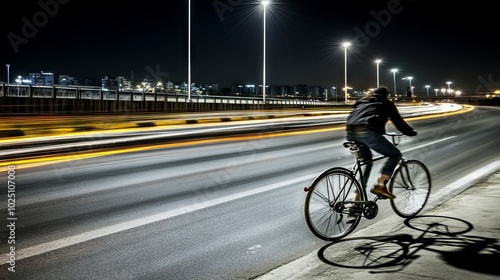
column 406, row 178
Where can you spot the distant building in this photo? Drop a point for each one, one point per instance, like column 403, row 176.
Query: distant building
column 37, row 79
column 316, row 92
column 147, row 85
column 280, row 91
column 243, row 90
column 169, row 87
column 209, row 89
column 123, row 84
column 300, row 91
column 89, row 82
column 66, row 80
column 108, row 83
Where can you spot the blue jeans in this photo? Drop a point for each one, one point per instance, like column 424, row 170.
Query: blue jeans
column 377, row 142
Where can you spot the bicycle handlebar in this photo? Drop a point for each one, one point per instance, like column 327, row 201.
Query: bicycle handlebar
column 395, row 137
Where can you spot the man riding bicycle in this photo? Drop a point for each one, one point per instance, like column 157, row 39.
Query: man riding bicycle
column 366, row 123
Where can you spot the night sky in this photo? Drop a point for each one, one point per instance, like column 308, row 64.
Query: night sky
column 434, row 42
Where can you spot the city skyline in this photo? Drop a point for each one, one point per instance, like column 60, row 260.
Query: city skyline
column 431, row 44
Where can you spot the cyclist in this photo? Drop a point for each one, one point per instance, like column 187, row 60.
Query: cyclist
column 366, row 123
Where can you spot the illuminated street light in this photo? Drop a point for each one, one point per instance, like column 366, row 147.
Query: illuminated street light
column 346, row 44
column 427, row 87
column 378, row 76
column 394, row 70
column 8, row 73
column 409, row 79
column 189, row 51
column 264, row 3
column 436, row 90
column 449, row 87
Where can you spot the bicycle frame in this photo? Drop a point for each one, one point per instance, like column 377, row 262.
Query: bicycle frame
column 357, row 169
column 328, row 198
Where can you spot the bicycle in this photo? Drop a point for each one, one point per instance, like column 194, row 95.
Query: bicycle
column 330, row 210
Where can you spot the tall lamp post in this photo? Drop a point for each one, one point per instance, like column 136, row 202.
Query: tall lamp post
column 346, row 45
column 436, row 90
column 427, row 87
column 378, row 73
column 8, row 73
column 189, row 51
column 394, row 70
column 264, row 3
column 449, row 87
column 411, row 89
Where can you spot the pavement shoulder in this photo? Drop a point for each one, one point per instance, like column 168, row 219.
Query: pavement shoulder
column 455, row 239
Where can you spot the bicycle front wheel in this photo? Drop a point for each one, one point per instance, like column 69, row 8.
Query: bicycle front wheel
column 411, row 184
column 328, row 204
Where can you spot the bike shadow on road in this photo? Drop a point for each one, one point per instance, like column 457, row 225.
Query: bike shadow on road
column 428, row 238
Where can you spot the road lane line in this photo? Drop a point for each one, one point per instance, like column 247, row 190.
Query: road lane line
column 462, row 184
column 93, row 234
column 90, row 235
column 428, row 144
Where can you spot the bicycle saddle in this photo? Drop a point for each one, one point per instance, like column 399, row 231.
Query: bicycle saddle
column 353, row 144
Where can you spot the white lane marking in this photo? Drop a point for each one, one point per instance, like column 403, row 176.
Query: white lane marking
column 304, row 265
column 93, row 234
column 461, row 184
column 86, row 236
column 427, row 144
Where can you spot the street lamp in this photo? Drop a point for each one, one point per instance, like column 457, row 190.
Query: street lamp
column 427, row 87
column 436, row 90
column 189, row 51
column 411, row 89
column 346, row 44
column 378, row 76
column 394, row 70
column 8, row 73
column 264, row 3
column 449, row 86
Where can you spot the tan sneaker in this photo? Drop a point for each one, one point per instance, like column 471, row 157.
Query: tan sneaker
column 382, row 192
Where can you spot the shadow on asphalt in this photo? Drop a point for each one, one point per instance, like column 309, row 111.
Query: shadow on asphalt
column 444, row 236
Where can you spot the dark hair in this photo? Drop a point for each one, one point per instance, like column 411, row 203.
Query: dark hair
column 382, row 91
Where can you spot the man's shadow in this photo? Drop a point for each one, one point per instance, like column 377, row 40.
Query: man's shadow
column 445, row 236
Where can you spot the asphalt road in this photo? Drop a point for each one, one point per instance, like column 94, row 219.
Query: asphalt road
column 227, row 208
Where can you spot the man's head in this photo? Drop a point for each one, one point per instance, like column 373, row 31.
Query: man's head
column 381, row 91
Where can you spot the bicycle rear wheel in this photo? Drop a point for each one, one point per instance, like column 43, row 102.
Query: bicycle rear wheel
column 328, row 202
column 411, row 184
